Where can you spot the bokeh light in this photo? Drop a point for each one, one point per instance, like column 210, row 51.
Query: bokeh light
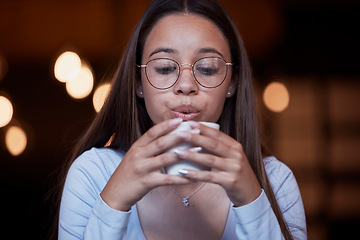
column 100, row 95
column 82, row 85
column 6, row 111
column 276, row 97
column 67, row 66
column 15, row 140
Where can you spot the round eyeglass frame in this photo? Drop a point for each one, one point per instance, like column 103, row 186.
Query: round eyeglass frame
column 179, row 71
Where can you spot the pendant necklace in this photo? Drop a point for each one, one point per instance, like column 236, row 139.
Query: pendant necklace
column 185, row 200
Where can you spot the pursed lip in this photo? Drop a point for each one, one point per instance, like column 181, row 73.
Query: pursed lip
column 186, row 112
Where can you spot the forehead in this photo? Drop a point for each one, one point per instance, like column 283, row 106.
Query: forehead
column 186, row 34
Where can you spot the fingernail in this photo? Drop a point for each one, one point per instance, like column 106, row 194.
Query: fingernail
column 176, row 121
column 194, row 124
column 183, row 172
column 184, row 135
column 195, row 149
column 180, row 153
column 195, row 131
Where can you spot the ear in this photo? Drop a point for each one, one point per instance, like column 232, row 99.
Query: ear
column 232, row 88
column 139, row 91
column 138, row 87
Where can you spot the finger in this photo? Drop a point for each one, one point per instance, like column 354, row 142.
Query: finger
column 213, row 144
column 209, row 160
column 157, row 162
column 163, row 144
column 216, row 134
column 206, row 176
column 158, row 130
column 161, row 179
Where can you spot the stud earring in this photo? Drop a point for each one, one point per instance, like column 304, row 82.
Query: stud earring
column 141, row 92
column 229, row 93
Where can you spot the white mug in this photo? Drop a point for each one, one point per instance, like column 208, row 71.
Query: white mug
column 173, row 169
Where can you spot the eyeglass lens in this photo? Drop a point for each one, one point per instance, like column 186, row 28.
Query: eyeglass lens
column 163, row 73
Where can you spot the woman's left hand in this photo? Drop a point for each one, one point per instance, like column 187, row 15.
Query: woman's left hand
column 226, row 157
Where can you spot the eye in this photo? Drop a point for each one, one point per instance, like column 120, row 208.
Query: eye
column 165, row 69
column 207, row 70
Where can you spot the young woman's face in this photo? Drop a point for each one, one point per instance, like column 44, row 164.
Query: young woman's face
column 185, row 38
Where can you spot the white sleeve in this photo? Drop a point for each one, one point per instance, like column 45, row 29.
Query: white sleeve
column 106, row 223
column 257, row 220
column 83, row 214
column 287, row 194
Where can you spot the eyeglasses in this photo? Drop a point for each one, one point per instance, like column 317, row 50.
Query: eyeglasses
column 163, row 73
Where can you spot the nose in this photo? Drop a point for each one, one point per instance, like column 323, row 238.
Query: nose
column 186, row 83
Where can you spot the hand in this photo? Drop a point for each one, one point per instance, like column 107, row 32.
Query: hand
column 226, row 157
column 139, row 170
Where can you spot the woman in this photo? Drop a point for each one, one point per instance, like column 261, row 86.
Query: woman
column 185, row 62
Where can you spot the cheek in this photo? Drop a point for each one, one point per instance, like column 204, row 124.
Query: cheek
column 154, row 105
column 215, row 108
column 214, row 104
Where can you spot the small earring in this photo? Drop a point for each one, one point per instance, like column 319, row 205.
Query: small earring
column 141, row 92
column 229, row 93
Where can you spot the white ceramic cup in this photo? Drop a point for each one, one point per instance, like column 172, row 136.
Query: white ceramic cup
column 184, row 164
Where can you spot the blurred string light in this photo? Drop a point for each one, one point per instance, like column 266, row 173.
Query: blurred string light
column 15, row 140
column 100, row 96
column 78, row 75
column 82, row 85
column 6, row 111
column 276, row 97
column 67, row 66
column 15, row 136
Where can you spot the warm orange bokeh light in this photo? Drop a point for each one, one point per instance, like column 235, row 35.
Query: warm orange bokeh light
column 100, row 95
column 6, row 111
column 82, row 85
column 276, row 97
column 15, row 140
column 67, row 66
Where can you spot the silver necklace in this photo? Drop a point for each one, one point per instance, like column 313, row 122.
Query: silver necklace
column 185, row 200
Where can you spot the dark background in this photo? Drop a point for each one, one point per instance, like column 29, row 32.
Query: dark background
column 312, row 46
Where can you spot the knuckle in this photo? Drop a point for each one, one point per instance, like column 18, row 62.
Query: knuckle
column 210, row 177
column 168, row 180
column 232, row 181
column 238, row 156
column 160, row 143
column 239, row 147
column 136, row 155
column 211, row 160
column 165, row 159
column 236, row 167
column 213, row 144
column 151, row 133
column 138, row 169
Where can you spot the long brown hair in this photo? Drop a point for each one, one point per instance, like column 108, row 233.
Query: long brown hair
column 124, row 118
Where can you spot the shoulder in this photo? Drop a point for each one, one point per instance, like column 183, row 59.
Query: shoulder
column 280, row 176
column 85, row 179
column 275, row 169
column 106, row 159
column 283, row 183
column 94, row 167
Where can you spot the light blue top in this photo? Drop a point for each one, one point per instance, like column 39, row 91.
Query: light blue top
column 84, row 215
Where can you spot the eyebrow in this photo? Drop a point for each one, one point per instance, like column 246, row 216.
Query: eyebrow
column 170, row 50
column 165, row 50
column 210, row 50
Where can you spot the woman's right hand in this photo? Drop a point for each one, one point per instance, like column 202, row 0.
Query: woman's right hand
column 139, row 170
